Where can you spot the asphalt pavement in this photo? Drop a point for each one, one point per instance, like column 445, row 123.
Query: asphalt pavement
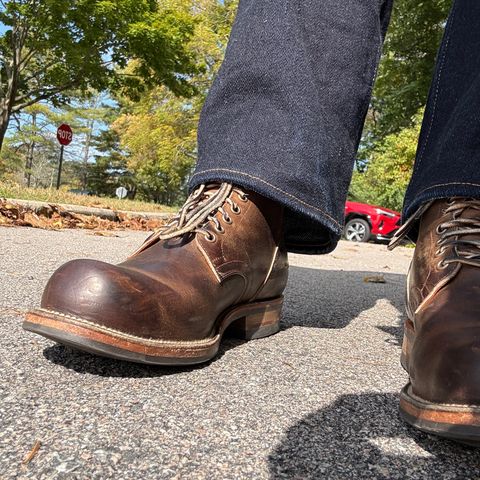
column 317, row 400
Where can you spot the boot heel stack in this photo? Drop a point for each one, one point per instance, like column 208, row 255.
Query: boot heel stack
column 262, row 320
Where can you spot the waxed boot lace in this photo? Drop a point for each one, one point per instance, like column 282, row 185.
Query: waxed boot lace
column 198, row 212
column 451, row 232
column 456, row 231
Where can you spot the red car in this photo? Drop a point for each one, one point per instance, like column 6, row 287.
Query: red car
column 367, row 222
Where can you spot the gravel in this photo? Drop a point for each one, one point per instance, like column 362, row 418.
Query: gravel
column 317, row 400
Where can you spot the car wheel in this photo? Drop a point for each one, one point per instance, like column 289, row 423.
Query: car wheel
column 357, row 230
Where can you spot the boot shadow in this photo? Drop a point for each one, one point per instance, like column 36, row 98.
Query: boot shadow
column 362, row 436
column 318, row 298
column 84, row 362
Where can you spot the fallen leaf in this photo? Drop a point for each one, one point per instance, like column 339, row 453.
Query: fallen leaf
column 29, row 457
column 104, row 234
column 374, row 279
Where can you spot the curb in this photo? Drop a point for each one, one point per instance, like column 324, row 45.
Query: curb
column 106, row 213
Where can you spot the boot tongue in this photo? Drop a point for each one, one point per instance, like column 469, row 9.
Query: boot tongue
column 212, row 187
column 405, row 229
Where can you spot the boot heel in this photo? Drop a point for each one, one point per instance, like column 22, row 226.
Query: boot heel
column 262, row 320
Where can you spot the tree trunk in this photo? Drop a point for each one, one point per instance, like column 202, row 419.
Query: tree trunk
column 31, row 150
column 12, row 74
column 4, row 121
column 86, row 155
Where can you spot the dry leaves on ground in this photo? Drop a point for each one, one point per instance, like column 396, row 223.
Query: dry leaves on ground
column 53, row 217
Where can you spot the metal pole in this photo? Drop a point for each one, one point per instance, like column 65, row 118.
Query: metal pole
column 60, row 167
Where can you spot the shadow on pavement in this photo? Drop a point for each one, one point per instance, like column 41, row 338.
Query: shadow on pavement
column 314, row 298
column 332, row 299
column 83, row 362
column 357, row 437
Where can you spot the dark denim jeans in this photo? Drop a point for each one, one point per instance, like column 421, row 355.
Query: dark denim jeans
column 285, row 113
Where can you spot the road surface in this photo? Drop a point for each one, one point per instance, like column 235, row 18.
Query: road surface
column 317, row 400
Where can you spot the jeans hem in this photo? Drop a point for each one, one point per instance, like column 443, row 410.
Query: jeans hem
column 437, row 192
column 326, row 231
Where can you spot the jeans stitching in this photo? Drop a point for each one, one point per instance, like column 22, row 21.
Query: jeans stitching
column 270, row 185
column 447, row 184
column 437, row 87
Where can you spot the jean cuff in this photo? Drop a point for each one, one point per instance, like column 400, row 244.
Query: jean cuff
column 308, row 229
column 437, row 192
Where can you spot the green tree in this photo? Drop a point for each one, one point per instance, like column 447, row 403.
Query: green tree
column 158, row 133
column 387, row 149
column 87, row 117
column 388, row 171
column 10, row 164
column 160, row 138
column 406, row 68
column 50, row 47
column 109, row 170
column 31, row 149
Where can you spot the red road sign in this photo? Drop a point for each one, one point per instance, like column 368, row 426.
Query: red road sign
column 64, row 134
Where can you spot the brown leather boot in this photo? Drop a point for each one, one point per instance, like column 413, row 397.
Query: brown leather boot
column 220, row 263
column 441, row 348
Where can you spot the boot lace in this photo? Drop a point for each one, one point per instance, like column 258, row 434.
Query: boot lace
column 455, row 232
column 198, row 212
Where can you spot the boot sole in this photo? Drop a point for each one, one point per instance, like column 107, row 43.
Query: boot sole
column 455, row 422
column 250, row 321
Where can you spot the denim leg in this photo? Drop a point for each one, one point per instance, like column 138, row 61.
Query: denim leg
column 285, row 113
column 448, row 155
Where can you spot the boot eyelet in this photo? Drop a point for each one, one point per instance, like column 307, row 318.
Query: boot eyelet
column 236, row 209
column 220, row 229
column 243, row 198
column 440, row 230
column 210, row 237
column 227, row 220
column 442, row 265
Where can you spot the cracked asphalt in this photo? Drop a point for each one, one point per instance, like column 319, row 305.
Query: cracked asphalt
column 317, row 400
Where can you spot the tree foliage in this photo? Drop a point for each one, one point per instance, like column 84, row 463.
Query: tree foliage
column 31, row 151
column 406, row 69
column 387, row 151
column 159, row 136
column 158, row 132
column 388, row 172
column 50, row 47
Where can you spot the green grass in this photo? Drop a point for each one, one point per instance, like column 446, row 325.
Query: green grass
column 10, row 190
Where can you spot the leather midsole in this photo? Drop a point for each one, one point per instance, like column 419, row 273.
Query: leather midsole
column 453, row 414
column 86, row 329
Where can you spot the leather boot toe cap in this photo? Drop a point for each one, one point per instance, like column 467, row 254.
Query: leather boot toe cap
column 103, row 294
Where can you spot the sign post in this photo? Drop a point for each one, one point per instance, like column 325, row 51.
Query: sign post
column 64, row 137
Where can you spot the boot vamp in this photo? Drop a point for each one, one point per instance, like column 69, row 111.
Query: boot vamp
column 168, row 292
column 445, row 357
column 426, row 273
